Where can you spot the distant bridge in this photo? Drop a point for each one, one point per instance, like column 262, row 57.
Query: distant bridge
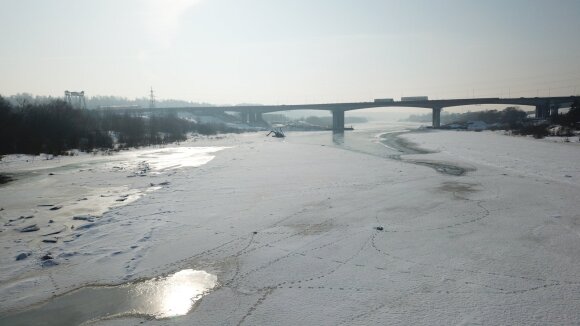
column 545, row 107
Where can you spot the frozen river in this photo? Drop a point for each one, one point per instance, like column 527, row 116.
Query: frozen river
column 460, row 228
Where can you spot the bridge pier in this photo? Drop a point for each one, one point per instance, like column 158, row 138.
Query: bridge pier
column 538, row 111
column 553, row 109
column 437, row 117
column 338, row 121
column 244, row 116
column 253, row 117
column 543, row 111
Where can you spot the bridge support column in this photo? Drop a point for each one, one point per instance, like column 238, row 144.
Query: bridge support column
column 252, row 117
column 542, row 111
column 337, row 121
column 244, row 116
column 437, row 117
column 554, row 112
column 258, row 117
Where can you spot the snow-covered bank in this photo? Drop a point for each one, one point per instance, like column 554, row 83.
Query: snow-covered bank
column 521, row 156
column 290, row 229
column 52, row 202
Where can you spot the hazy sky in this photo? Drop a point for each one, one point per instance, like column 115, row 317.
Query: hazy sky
column 290, row 51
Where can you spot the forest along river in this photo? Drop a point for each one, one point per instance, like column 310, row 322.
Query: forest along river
column 176, row 294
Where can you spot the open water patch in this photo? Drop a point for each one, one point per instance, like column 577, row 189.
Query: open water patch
column 392, row 141
column 441, row 167
column 161, row 297
column 5, row 179
column 401, row 146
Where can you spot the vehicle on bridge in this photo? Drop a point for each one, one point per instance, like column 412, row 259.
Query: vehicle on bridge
column 414, row 98
column 384, row 100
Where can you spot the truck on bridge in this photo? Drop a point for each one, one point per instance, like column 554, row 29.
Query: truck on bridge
column 384, row 100
column 414, row 98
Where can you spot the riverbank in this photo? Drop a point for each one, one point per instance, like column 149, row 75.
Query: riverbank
column 523, row 156
column 303, row 232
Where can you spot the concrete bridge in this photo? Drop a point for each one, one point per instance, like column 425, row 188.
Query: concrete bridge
column 545, row 107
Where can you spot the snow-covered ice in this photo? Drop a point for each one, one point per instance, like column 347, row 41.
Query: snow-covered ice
column 289, row 227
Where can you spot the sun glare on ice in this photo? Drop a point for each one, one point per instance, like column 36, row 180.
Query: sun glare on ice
column 173, row 295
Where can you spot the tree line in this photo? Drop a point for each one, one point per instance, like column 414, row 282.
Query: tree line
column 95, row 102
column 571, row 118
column 54, row 127
column 513, row 119
column 510, row 117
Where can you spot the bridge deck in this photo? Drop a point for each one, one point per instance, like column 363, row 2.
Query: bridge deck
column 542, row 104
column 430, row 104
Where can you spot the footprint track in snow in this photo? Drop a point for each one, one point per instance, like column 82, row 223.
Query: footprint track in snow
column 546, row 282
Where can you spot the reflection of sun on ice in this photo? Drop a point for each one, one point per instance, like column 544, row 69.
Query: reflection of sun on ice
column 177, row 300
column 175, row 294
column 183, row 289
column 173, row 158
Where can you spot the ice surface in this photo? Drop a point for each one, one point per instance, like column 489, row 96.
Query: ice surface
column 289, row 229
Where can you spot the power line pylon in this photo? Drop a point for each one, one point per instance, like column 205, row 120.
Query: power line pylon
column 151, row 99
